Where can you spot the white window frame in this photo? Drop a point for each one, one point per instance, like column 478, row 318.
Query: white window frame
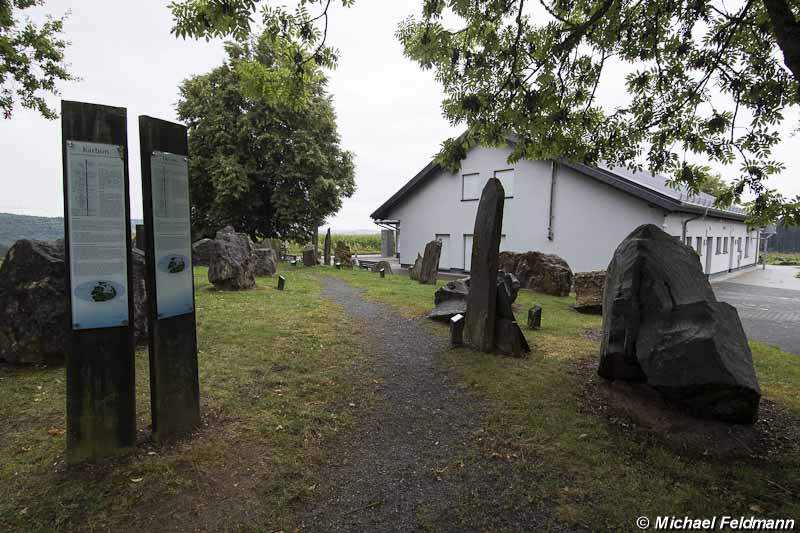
column 513, row 180
column 464, row 189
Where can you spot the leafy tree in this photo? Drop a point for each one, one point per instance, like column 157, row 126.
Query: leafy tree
column 714, row 185
column 31, row 59
column 704, row 80
column 267, row 167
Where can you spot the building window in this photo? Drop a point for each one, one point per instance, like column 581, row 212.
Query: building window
column 719, row 245
column 725, row 245
column 506, row 178
column 699, row 241
column 739, row 245
column 688, row 241
column 471, row 186
column 747, row 246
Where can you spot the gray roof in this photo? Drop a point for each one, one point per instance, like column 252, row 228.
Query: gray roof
column 648, row 187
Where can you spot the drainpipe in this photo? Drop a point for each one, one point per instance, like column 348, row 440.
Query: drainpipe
column 551, row 215
column 686, row 223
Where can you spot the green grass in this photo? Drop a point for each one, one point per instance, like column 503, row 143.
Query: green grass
column 597, row 474
column 779, row 258
column 277, row 373
column 359, row 244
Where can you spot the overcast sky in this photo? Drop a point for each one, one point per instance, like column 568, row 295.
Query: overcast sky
column 387, row 107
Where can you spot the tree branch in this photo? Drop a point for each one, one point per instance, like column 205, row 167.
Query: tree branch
column 786, row 30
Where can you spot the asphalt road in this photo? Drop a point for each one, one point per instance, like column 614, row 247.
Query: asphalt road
column 770, row 314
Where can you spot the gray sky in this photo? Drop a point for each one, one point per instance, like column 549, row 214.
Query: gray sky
column 387, row 107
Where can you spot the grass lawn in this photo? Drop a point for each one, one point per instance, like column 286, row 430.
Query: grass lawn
column 277, row 373
column 603, row 473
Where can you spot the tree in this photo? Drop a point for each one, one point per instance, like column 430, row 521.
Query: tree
column 704, row 82
column 714, row 185
column 269, row 168
column 31, row 59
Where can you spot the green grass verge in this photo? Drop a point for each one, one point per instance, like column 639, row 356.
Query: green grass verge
column 277, row 373
column 600, row 475
column 788, row 258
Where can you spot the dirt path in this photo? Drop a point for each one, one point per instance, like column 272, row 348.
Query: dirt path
column 418, row 459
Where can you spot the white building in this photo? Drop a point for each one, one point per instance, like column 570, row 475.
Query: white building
column 578, row 212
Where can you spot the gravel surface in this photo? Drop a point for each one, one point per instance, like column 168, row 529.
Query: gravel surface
column 418, row 458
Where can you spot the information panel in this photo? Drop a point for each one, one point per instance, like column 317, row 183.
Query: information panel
column 97, row 226
column 172, row 238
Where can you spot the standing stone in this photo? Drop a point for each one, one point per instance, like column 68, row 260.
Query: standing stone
column 413, row 272
column 201, row 252
column 479, row 330
column 281, row 283
column 509, row 338
column 387, row 243
column 266, row 262
column 535, row 317
column 589, row 292
column 140, row 237
column 34, row 319
column 233, row 266
column 309, row 257
column 662, row 324
column 326, row 250
column 343, row 255
column 381, row 265
column 315, row 243
column 430, row 262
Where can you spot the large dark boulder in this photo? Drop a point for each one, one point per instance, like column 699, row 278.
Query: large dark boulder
column 451, row 298
column 663, row 325
column 589, row 288
column 201, row 252
column 538, row 272
column 34, row 312
column 429, row 269
column 232, row 264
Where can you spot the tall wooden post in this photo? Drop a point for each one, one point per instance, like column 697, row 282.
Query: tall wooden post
column 101, row 402
column 174, row 383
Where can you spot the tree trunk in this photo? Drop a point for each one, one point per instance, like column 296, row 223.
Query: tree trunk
column 786, row 30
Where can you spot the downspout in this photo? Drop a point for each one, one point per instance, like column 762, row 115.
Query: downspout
column 551, row 214
column 686, row 223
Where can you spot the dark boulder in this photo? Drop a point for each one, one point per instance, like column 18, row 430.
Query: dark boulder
column 266, row 261
column 429, row 269
column 232, row 262
column 201, row 252
column 448, row 309
column 458, row 289
column 538, row 272
column 589, row 292
column 663, row 325
column 34, row 312
column 309, row 257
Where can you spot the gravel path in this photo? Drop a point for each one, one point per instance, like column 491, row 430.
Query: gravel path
column 414, row 462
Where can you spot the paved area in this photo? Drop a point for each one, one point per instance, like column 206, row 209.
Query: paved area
column 768, row 302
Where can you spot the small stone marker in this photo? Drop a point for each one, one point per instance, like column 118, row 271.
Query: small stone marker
column 535, row 317
column 457, row 331
column 294, row 262
column 338, row 266
column 383, row 272
column 281, row 283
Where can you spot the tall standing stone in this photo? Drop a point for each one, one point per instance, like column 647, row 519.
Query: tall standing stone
column 140, row 238
column 315, row 242
column 326, row 250
column 430, row 262
column 479, row 329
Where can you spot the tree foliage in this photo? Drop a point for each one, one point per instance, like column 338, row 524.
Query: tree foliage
column 266, row 166
column 705, row 81
column 714, row 185
column 31, row 59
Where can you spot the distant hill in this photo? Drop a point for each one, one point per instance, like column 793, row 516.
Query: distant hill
column 15, row 227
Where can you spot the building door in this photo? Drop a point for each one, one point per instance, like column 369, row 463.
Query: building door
column 444, row 258
column 467, row 252
column 730, row 257
column 709, row 253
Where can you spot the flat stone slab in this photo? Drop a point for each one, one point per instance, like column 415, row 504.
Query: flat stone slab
column 448, row 309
